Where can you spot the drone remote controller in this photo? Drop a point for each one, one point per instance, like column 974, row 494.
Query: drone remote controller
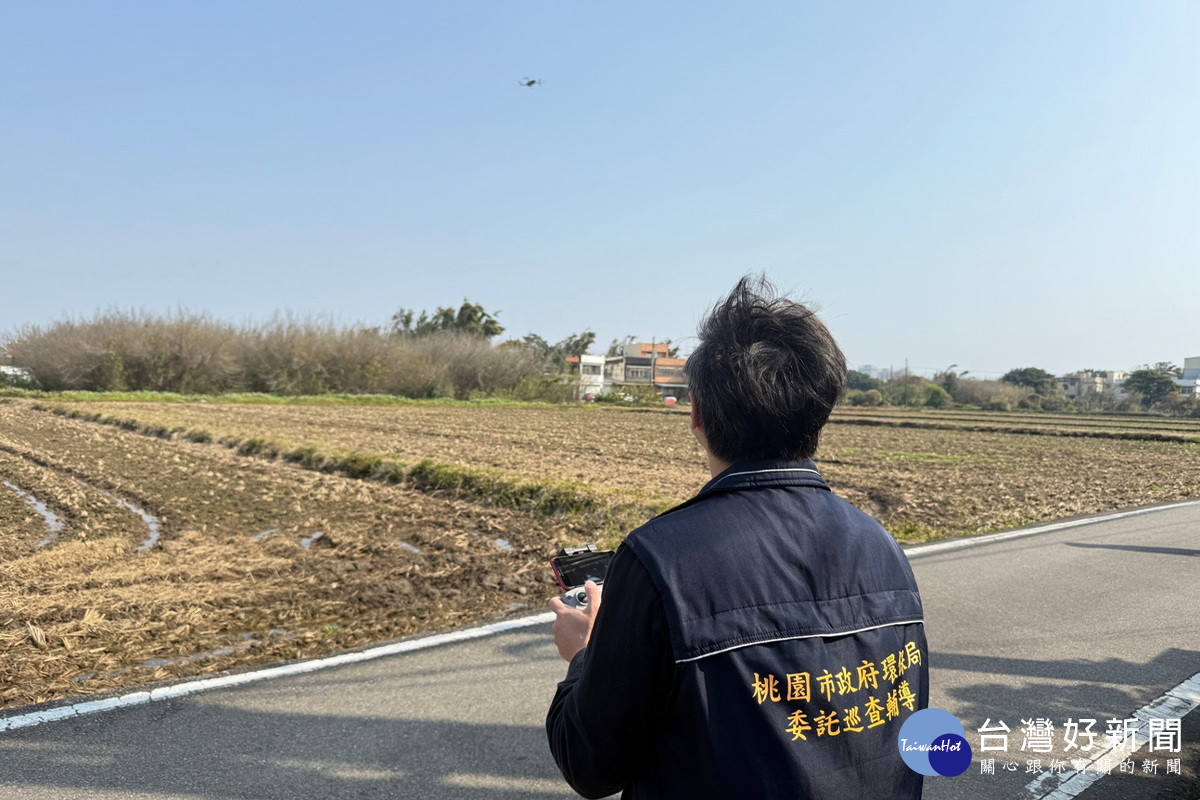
column 575, row 565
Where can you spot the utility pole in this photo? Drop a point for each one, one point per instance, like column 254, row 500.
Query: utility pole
column 906, row 382
column 653, row 363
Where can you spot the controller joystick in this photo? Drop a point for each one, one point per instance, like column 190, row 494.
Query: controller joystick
column 576, row 598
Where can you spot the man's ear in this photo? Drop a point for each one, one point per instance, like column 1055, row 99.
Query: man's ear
column 696, row 425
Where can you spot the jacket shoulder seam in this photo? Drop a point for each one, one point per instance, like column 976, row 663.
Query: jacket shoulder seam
column 795, row 633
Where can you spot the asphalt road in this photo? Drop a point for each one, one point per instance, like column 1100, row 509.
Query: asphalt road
column 1091, row 621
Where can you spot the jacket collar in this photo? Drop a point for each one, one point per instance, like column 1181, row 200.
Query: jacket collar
column 770, row 472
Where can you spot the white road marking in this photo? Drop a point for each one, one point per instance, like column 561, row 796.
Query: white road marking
column 1053, row 526
column 192, row 687
column 337, row 769
column 1177, row 702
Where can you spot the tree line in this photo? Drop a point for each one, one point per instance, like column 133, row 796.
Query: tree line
column 1150, row 387
column 444, row 353
column 449, row 352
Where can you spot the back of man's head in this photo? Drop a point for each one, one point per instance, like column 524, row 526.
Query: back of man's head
column 765, row 375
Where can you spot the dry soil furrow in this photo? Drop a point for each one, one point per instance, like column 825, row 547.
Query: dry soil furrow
column 91, row 613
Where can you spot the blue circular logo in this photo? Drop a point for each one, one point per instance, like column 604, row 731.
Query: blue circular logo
column 933, row 742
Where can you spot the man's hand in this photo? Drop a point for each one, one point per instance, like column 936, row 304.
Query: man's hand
column 573, row 627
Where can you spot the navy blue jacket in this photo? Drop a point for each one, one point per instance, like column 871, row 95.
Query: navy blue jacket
column 763, row 639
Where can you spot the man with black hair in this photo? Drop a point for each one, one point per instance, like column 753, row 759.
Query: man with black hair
column 764, row 639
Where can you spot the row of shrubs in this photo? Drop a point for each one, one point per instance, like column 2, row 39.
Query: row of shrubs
column 972, row 394
column 918, row 391
column 988, row 395
column 193, row 353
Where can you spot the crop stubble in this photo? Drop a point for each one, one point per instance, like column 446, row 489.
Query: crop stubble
column 89, row 614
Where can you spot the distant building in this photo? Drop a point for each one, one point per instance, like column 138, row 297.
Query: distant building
column 1089, row 382
column 1189, row 384
column 641, row 350
column 645, row 364
column 590, row 370
column 669, row 379
column 878, row 373
column 10, row 374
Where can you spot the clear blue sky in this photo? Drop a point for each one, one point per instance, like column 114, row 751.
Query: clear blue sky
column 993, row 185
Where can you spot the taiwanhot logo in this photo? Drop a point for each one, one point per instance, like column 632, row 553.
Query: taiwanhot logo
column 933, row 742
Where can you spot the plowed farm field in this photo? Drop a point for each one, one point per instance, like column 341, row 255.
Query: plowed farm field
column 142, row 542
column 937, row 473
column 129, row 559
